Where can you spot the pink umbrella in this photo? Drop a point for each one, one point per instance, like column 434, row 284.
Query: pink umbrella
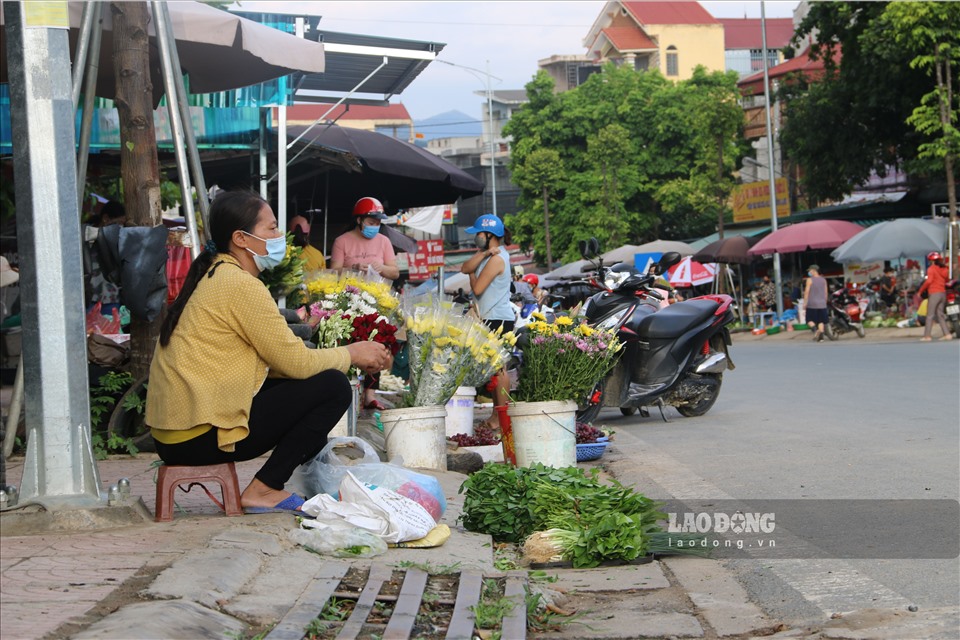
column 818, row 234
column 690, row 273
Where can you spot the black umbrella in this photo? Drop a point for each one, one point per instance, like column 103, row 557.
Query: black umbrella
column 732, row 250
column 395, row 172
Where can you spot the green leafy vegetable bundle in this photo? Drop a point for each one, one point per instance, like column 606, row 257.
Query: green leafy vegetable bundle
column 563, row 513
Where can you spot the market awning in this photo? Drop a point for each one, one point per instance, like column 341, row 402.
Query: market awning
column 741, row 231
column 351, row 57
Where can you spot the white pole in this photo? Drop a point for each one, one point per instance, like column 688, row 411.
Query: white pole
column 493, row 154
column 773, row 184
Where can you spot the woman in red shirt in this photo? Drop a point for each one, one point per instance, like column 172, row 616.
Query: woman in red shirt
column 936, row 285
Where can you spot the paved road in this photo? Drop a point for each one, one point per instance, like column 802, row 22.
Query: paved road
column 850, row 419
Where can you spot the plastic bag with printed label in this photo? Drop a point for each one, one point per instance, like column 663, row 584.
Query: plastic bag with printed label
column 391, row 516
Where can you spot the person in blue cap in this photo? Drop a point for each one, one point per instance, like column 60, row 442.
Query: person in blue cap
column 489, row 272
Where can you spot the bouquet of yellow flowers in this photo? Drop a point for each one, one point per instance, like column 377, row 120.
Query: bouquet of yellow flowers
column 449, row 350
column 353, row 291
column 564, row 360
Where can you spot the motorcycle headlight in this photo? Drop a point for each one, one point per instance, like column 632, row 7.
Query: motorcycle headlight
column 610, row 323
column 614, row 279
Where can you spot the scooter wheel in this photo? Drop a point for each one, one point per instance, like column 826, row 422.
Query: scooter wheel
column 861, row 332
column 628, row 411
column 830, row 331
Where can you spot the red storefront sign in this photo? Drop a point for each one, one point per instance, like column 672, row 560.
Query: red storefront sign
column 427, row 259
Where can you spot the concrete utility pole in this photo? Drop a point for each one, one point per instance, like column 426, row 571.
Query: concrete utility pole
column 768, row 108
column 59, row 470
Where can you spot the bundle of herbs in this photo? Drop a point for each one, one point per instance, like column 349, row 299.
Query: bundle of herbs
column 563, row 514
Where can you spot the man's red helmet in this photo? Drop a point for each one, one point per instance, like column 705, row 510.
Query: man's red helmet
column 532, row 279
column 369, row 207
column 934, row 256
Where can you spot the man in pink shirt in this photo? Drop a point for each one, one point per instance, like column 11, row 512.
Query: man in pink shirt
column 364, row 246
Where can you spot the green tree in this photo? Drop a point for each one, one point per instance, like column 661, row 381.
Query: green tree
column 853, row 120
column 542, row 170
column 701, row 197
column 930, row 31
column 620, row 137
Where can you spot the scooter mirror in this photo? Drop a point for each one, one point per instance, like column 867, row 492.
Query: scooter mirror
column 666, row 261
column 594, row 246
column 589, row 248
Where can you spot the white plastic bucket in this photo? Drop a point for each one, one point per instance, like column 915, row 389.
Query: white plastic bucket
column 460, row 411
column 544, row 432
column 416, row 434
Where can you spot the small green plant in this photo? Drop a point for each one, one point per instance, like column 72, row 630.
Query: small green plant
column 103, row 401
column 504, row 562
column 492, row 608
column 335, row 610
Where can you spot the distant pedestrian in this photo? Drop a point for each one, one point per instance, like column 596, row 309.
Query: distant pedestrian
column 815, row 301
column 936, row 286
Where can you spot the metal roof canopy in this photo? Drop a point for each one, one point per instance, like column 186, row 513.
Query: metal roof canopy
column 351, row 57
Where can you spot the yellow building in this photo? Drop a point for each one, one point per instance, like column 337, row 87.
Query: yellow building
column 673, row 37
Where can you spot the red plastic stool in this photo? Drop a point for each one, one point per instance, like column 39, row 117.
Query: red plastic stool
column 172, row 476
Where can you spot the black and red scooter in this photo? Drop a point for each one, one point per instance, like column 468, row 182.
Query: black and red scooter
column 672, row 356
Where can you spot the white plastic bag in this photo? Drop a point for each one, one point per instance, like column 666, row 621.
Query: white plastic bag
column 337, row 538
column 323, row 473
column 391, row 516
column 326, row 471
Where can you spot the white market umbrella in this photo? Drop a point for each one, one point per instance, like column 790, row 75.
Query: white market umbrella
column 891, row 240
column 690, row 273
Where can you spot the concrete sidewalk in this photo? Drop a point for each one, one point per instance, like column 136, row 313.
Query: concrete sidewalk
column 882, row 334
column 208, row 576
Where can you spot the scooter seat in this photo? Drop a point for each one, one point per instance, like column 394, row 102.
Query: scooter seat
column 675, row 320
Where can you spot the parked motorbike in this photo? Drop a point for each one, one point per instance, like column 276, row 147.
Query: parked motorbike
column 952, row 308
column 844, row 315
column 672, row 356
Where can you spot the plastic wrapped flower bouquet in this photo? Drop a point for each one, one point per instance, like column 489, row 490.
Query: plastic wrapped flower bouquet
column 449, row 350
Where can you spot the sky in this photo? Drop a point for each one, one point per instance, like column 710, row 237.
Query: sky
column 512, row 35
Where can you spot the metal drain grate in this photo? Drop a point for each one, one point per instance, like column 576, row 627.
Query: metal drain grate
column 407, row 603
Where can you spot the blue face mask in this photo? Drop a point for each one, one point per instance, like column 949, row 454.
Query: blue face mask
column 370, row 232
column 276, row 252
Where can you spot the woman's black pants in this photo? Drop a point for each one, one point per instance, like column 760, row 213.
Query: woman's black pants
column 292, row 417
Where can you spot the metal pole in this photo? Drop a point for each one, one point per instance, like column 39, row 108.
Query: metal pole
column 773, row 185
column 282, row 166
column 440, row 280
column 59, row 470
column 262, row 150
column 326, row 212
column 493, row 156
column 176, row 127
column 86, row 121
column 193, row 154
column 83, row 47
